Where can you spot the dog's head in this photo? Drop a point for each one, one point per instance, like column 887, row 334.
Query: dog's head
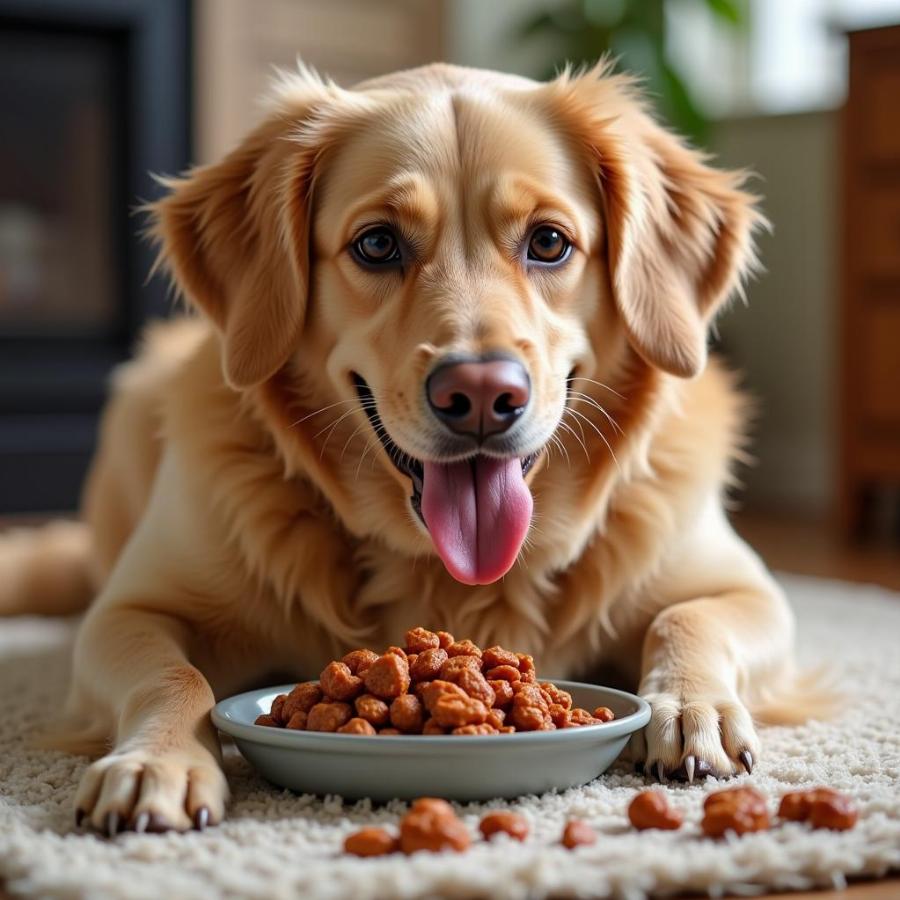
column 446, row 253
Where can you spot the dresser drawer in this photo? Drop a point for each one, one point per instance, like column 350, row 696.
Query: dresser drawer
column 876, row 244
column 879, row 370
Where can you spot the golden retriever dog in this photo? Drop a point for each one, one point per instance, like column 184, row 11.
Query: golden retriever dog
column 448, row 367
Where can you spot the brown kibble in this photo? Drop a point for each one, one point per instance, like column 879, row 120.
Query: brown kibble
column 372, row 709
column 741, row 810
column 328, row 716
column 297, row 721
column 484, row 728
column 419, row 639
column 833, row 810
column 822, row 807
column 371, row 842
column 446, row 639
column 503, row 673
column 526, row 667
column 503, row 693
column 495, row 718
column 452, row 711
column 390, row 731
column 464, row 648
column 434, row 805
column 527, row 714
column 604, row 714
column 428, row 826
column 580, row 716
column 411, row 661
column 388, row 676
column 267, row 720
column 302, row 698
column 557, row 695
column 397, row 651
column 514, row 825
column 497, row 656
column 432, row 691
column 454, row 665
column 339, row 683
column 650, row 809
column 277, row 711
column 432, row 727
column 427, row 664
column 559, row 715
column 578, row 834
column 357, row 661
column 474, row 684
column 357, row 726
column 407, row 714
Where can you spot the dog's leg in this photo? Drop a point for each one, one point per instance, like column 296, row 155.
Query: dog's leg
column 165, row 769
column 702, row 661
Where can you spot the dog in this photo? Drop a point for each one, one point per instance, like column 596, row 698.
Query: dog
column 445, row 364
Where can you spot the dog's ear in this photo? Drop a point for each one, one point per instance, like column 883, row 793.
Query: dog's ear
column 235, row 236
column 679, row 233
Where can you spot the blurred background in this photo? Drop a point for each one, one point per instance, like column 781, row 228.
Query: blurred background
column 95, row 94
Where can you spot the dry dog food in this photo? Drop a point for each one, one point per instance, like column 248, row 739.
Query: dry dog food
column 371, row 842
column 578, row 834
column 740, row 809
column 506, row 822
column 650, row 809
column 821, row 807
column 432, row 825
column 434, row 685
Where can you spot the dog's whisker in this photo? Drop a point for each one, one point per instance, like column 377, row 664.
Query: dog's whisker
column 319, row 411
column 602, row 436
column 347, row 443
column 570, row 430
column 579, row 397
column 598, row 383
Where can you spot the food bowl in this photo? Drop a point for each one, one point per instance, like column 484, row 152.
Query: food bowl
column 456, row 767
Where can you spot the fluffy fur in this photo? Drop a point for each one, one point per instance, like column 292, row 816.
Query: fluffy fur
column 241, row 518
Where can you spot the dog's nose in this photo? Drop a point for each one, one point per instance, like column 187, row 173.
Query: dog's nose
column 479, row 397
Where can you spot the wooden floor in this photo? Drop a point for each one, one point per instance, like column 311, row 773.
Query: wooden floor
column 792, row 543
column 809, row 547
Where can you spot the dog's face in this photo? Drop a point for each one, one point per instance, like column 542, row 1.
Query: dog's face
column 451, row 254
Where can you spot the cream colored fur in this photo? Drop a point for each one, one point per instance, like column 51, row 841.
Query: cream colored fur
column 243, row 520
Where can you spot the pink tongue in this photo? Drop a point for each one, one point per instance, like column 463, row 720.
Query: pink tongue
column 477, row 514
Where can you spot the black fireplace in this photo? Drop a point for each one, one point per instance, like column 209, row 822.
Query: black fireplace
column 95, row 95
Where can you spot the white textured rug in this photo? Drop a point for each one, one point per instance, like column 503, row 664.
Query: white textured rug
column 276, row 845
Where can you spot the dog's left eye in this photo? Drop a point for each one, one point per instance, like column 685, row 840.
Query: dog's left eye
column 548, row 245
column 377, row 246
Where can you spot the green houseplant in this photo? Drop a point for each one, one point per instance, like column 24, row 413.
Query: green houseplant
column 634, row 33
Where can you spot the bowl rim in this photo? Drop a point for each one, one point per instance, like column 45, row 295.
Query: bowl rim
column 224, row 720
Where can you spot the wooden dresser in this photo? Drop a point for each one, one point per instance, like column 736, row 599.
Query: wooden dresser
column 870, row 307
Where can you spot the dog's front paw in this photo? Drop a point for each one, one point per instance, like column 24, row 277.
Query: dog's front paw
column 691, row 737
column 145, row 790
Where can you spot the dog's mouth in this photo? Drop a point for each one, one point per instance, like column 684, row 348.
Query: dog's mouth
column 477, row 510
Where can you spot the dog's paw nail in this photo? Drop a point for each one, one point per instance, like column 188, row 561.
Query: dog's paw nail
column 156, row 824
column 112, row 824
column 690, row 763
column 141, row 822
column 661, row 772
column 746, row 758
column 201, row 818
column 79, row 817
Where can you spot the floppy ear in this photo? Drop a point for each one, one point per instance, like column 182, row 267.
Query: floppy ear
column 235, row 236
column 678, row 232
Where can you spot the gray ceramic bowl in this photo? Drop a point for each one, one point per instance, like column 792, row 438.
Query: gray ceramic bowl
column 454, row 767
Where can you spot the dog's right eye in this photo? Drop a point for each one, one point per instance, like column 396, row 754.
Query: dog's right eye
column 377, row 246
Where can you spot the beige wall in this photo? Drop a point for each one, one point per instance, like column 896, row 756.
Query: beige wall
column 785, row 338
